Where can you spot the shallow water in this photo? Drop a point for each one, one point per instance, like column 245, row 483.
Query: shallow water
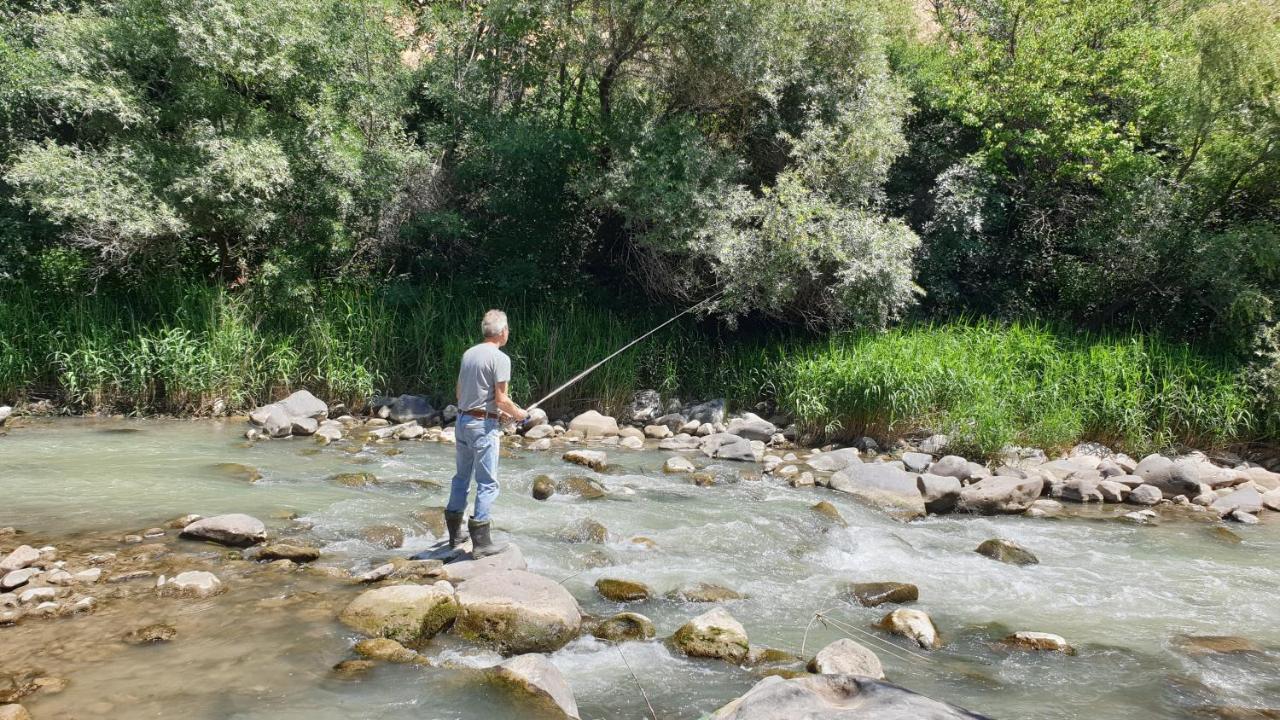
column 1120, row 593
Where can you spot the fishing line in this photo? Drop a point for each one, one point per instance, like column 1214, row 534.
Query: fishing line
column 643, row 694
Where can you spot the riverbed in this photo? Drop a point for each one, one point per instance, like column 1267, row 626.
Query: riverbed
column 1122, row 594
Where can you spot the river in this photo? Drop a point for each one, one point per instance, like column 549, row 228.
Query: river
column 1121, row 594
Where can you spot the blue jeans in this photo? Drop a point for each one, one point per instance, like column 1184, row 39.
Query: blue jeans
column 478, row 443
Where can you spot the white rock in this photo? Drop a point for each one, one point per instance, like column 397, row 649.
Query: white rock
column 235, row 529
column 37, row 595
column 657, row 432
column 1029, row 640
column 20, row 558
column 846, row 657
column 59, row 577
column 713, row 634
column 88, row 577
column 592, row 425
column 192, row 583
column 534, row 674
column 18, row 578
column 632, row 443
column 678, row 464
column 913, row 624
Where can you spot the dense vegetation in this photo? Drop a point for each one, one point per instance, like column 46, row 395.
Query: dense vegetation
column 215, row 199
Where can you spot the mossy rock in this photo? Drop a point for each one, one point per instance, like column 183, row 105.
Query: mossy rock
column 829, row 512
column 624, row 627
column 355, row 479
column 1006, row 552
column 543, row 487
column 622, row 590
column 583, row 487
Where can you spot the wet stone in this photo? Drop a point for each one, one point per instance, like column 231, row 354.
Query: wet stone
column 355, row 480
column 707, row 593
column 828, row 511
column 151, row 634
column 384, row 536
column 622, row 590
column 624, row 627
column 352, row 669
column 1216, row 645
column 878, row 593
column 1007, row 552
column 543, row 487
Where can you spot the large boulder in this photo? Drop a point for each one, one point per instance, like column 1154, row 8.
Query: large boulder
column 592, row 424
column 235, row 529
column 645, row 405
column 713, row 634
column 273, row 419
column 724, row 446
column 1178, row 477
column 303, row 404
column 953, row 466
column 408, row 614
column 846, row 657
column 518, row 612
column 941, row 493
column 534, row 675
column 836, row 697
column 1000, row 494
column 711, row 411
column 509, row 559
column 1246, row 499
column 835, row 460
column 882, row 486
column 410, row 408
column 752, row 427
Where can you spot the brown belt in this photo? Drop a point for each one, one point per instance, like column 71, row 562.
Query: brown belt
column 477, row 413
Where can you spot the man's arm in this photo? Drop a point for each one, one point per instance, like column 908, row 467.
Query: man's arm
column 503, row 401
column 457, row 394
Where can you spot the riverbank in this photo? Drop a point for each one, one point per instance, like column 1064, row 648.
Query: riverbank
column 204, row 351
column 1127, row 597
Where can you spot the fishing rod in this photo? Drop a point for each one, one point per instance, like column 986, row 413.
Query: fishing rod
column 620, row 350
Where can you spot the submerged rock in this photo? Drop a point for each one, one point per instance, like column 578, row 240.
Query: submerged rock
column 584, row 487
column 878, row 593
column 707, row 593
column 914, row 625
column 585, row 531
column 836, row 697
column 1006, row 551
column 846, row 657
column 830, row 512
column 235, row 529
column 623, row 627
column 384, row 536
column 518, row 612
column 713, row 634
column 535, row 676
column 622, row 590
column 151, row 634
column 1030, row 640
column 1216, row 645
column 385, row 649
column 408, row 614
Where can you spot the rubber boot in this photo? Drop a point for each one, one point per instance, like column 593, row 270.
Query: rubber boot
column 454, row 522
column 481, row 544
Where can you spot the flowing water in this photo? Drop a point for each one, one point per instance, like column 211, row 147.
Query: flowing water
column 1122, row 594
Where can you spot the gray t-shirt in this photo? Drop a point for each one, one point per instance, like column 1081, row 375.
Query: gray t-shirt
column 483, row 367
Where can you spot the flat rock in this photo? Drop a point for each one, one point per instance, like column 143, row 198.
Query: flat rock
column 235, row 529
column 713, row 634
column 1000, row 494
column 408, row 614
column 724, row 446
column 385, row 649
column 20, row 558
column 878, row 593
column 284, row 551
column 683, row 441
column 17, row 578
column 836, row 697
column 915, row 625
column 518, row 612
column 835, row 460
column 510, row 559
column 882, row 486
column 707, row 593
column 1006, row 552
column 534, row 675
column 594, row 459
column 1245, row 499
column 1216, row 645
column 846, row 657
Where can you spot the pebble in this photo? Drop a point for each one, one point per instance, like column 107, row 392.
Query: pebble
column 88, row 577
column 37, row 595
column 59, row 577
column 18, row 578
column 379, row 573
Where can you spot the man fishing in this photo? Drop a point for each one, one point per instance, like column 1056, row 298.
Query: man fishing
column 482, row 398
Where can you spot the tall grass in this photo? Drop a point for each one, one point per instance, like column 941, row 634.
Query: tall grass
column 193, row 348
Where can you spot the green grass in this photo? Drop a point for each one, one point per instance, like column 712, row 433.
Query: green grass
column 186, row 349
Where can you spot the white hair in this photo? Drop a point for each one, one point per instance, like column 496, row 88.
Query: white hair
column 495, row 321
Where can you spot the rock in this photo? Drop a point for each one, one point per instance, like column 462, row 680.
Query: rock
column 1261, row 477
column 1112, row 491
column 592, row 424
column 934, row 444
column 151, row 634
column 952, row 466
column 1243, row 517
column 1000, row 494
column 1006, row 552
column 283, row 551
column 836, row 697
column 181, row 522
column 1245, row 499
column 882, row 486
column 630, row 432
column 713, row 634
column 657, row 432
column 916, row 462
column 192, row 583
column 724, row 446
column 1029, row 640
column 622, row 590
column 273, row 419
column 534, row 675
column 408, row 614
column 594, row 459
column 235, row 530
column 706, row 593
column 914, row 625
column 941, row 493
column 235, row 471
column 517, row 611
column 1271, row 500
column 585, row 531
column 830, row 512
column 879, row 593
column 1177, row 477
column 683, row 441
column 5, row 413
column 711, row 411
column 304, row 426
column 350, row 669
column 329, row 432
column 1216, row 645
column 804, row 479
column 382, row 572
column 304, row 405
column 542, row 444
column 846, row 657
column 752, row 427
column 410, row 431
column 1081, row 489
column 1145, row 495
column 540, row 432
column 17, row 578
column 583, row 487
column 60, row 578
column 384, row 536
column 543, row 487
column 385, row 649
column 13, row 711
column 20, row 558
column 645, row 405
column 631, row 443
column 678, row 464
column 835, row 460
column 34, row 596
column 510, row 559
column 411, row 408
column 624, row 627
